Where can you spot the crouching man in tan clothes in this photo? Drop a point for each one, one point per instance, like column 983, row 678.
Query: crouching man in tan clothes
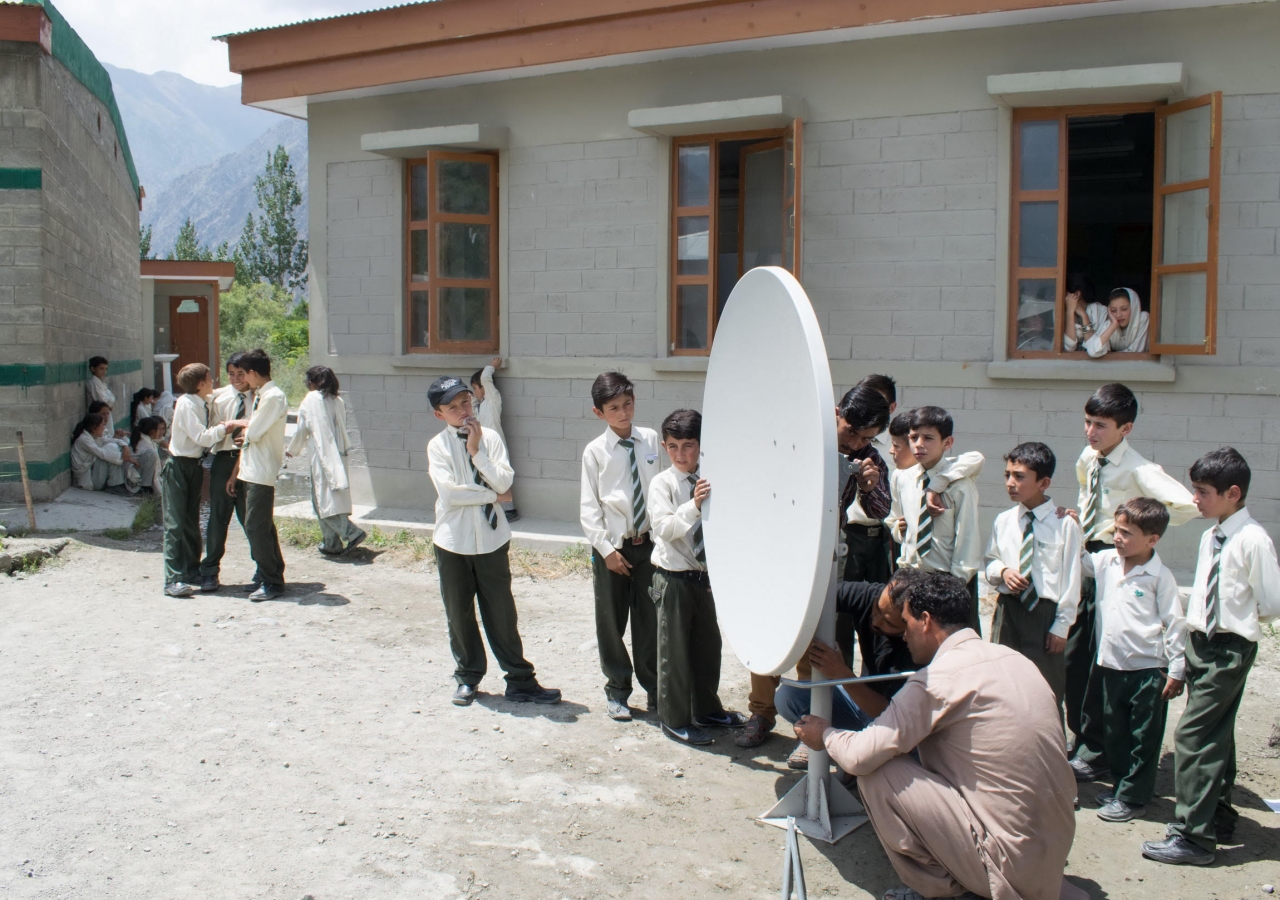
column 988, row 809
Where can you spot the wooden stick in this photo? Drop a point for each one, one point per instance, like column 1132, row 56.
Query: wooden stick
column 26, row 482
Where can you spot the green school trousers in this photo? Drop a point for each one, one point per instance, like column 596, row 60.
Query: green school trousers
column 221, row 508
column 181, row 480
column 620, row 598
column 1133, row 719
column 1026, row 630
column 689, row 648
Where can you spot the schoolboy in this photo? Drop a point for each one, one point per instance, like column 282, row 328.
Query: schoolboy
column 231, row 401
column 688, row 633
column 488, row 409
column 95, row 388
column 1110, row 472
column 469, row 467
column 946, row 541
column 1033, row 559
column 617, row 468
column 257, row 469
column 182, row 477
column 1141, row 635
column 1237, row 587
column 864, row 507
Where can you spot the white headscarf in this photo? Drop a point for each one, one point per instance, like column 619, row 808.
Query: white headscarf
column 1133, row 337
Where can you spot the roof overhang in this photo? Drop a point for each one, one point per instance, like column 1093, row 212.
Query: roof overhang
column 26, row 24
column 448, row 43
column 223, row 274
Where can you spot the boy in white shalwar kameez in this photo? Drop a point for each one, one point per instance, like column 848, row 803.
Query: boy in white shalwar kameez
column 322, row 426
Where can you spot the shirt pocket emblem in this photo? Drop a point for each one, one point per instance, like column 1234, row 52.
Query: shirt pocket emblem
column 651, row 458
column 1137, row 592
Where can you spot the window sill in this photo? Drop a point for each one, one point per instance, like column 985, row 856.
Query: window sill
column 681, row 364
column 443, row 361
column 1080, row 370
column 750, row 114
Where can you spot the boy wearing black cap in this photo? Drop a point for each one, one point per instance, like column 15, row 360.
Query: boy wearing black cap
column 469, row 468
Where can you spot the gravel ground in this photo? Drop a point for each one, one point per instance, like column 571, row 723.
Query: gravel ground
column 213, row 748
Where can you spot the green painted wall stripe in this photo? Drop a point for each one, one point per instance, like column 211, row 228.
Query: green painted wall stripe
column 21, row 375
column 36, row 471
column 20, row 179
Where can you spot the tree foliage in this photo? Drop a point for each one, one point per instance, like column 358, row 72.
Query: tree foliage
column 144, row 243
column 266, row 316
column 269, row 249
column 187, row 246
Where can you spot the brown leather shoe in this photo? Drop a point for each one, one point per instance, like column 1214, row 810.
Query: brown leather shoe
column 755, row 733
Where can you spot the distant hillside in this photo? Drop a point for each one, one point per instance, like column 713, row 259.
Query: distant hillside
column 175, row 124
column 218, row 196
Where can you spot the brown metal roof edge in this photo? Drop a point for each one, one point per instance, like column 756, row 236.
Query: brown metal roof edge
column 186, row 268
column 26, row 24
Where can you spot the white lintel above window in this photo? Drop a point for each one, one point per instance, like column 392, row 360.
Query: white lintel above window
column 1075, row 87
column 417, row 141
column 750, row 114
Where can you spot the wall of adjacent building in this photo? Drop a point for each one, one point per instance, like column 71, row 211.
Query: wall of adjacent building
column 69, row 284
column 905, row 236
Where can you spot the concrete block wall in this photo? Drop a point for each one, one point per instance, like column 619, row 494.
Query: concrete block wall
column 365, row 283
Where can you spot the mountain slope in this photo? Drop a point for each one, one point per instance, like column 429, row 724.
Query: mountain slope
column 218, row 196
column 175, row 124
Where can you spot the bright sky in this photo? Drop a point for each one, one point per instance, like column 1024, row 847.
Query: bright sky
column 177, row 35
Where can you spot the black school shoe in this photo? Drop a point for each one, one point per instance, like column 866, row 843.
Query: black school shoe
column 463, row 694
column 1117, row 810
column 267, row 592
column 724, row 719
column 1087, row 771
column 532, row 693
column 209, row 583
column 1176, row 850
column 690, row 734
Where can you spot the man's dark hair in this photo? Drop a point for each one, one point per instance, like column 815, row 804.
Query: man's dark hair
column 900, row 585
column 683, row 425
column 236, row 359
column 933, row 417
column 257, row 361
column 944, row 597
column 1147, row 515
column 1035, row 456
column 864, row 407
column 1115, row 402
column 1222, row 468
column 882, row 384
column 609, row 386
column 1077, row 281
column 95, row 361
column 900, row 427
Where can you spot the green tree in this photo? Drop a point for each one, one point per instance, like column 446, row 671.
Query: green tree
column 246, row 254
column 278, row 255
column 263, row 315
column 188, row 246
column 144, row 243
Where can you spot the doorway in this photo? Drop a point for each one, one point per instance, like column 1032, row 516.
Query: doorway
column 189, row 330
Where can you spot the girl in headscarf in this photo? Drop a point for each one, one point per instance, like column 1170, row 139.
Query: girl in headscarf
column 322, row 426
column 98, row 464
column 1120, row 326
column 148, row 432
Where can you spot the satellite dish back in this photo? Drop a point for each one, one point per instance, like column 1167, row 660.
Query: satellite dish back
column 769, row 451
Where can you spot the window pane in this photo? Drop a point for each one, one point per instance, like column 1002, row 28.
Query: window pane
column 694, row 176
column 691, row 316
column 462, row 187
column 1037, row 303
column 464, row 314
column 1186, row 145
column 418, row 267
column 464, row 250
column 1038, row 235
column 692, row 245
column 1182, row 308
column 418, row 309
column 1186, row 227
column 417, row 193
column 1039, row 155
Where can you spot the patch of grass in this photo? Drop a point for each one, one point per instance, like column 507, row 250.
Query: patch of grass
column 31, row 565
column 300, row 533
column 148, row 513
column 117, row 534
column 572, row 561
column 416, row 546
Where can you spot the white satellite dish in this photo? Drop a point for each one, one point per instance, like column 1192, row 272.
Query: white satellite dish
column 769, row 451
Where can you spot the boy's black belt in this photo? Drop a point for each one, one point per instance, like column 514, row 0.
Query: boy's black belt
column 235, row 452
column 637, row 540
column 868, row 530
column 1222, row 637
column 687, row 575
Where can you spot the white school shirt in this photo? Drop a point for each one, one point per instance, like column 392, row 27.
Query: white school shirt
column 225, row 403
column 952, row 468
column 1055, row 563
column 1125, row 476
column 1140, row 623
column 957, row 544
column 96, row 389
column 1248, row 579
column 84, row 451
column 489, row 410
column 672, row 515
column 262, row 452
column 461, row 524
column 192, row 434
column 605, row 509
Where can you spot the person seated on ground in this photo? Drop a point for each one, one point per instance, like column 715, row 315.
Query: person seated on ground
column 1121, row 325
column 988, row 808
column 97, row 463
column 96, row 387
column 104, row 409
column 143, row 404
column 876, row 610
column 148, row 432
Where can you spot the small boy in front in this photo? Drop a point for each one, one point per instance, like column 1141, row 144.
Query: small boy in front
column 258, row 467
column 182, row 478
column 468, row 466
column 688, row 634
column 1033, row 559
column 932, row 540
column 1110, row 472
column 1237, row 587
column 617, row 468
column 1141, row 635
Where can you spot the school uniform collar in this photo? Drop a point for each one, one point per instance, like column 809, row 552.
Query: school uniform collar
column 1235, row 521
column 1150, row 567
column 611, row 438
column 1041, row 512
column 1116, row 456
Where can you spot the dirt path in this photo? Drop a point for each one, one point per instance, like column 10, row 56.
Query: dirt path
column 213, row 748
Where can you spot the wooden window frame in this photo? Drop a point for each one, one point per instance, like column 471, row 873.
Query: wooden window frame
column 791, row 207
column 1062, row 114
column 434, row 283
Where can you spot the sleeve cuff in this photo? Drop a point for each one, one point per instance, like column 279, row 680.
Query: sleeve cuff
column 1061, row 629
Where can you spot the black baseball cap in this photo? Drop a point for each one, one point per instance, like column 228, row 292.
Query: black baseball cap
column 444, row 389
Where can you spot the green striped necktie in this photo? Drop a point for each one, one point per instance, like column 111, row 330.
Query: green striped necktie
column 489, row 512
column 924, row 522
column 1211, row 591
column 638, row 511
column 695, row 534
column 1093, row 508
column 1025, row 558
